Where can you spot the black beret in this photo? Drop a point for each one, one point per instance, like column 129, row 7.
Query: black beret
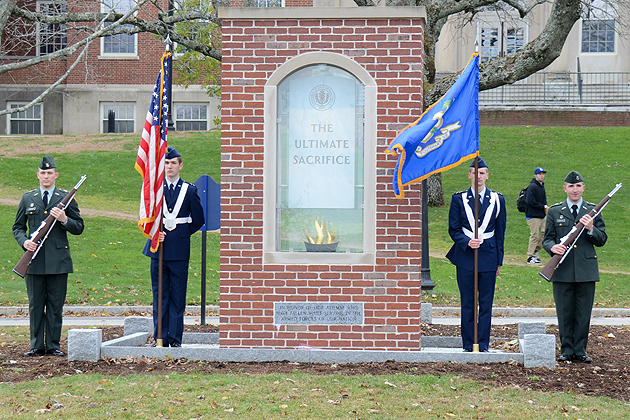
column 48, row 162
column 573, row 177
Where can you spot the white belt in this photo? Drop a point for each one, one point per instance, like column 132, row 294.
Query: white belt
column 170, row 223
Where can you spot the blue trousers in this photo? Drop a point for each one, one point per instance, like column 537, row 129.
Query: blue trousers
column 174, row 282
column 466, row 283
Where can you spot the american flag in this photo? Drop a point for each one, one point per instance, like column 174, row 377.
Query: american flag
column 150, row 160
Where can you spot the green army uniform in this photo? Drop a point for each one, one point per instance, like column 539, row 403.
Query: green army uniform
column 574, row 279
column 47, row 275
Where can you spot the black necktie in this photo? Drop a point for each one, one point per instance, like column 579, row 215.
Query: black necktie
column 170, row 190
column 574, row 211
column 45, row 199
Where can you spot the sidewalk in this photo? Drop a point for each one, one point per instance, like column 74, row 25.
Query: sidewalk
column 115, row 315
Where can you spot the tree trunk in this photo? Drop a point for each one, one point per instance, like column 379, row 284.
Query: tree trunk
column 435, row 195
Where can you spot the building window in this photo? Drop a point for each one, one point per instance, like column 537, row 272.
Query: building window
column 118, row 117
column 320, row 161
column 269, row 3
column 500, row 41
column 598, row 27
column 515, row 38
column 489, row 44
column 191, row 117
column 51, row 38
column 119, row 44
column 25, row 122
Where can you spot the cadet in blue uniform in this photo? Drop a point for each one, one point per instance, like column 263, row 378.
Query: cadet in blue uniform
column 47, row 275
column 491, row 234
column 574, row 279
column 183, row 216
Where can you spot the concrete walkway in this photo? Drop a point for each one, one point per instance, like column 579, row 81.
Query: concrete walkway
column 537, row 348
column 115, row 315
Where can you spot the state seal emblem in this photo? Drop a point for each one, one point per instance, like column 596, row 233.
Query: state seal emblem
column 322, row 97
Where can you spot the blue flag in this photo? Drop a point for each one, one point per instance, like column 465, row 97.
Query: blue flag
column 444, row 136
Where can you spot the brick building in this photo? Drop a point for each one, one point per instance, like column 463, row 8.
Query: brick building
column 117, row 73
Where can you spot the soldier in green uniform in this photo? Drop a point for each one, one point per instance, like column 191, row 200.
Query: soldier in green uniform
column 574, row 279
column 47, row 275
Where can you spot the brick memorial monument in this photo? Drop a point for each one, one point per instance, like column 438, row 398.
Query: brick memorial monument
column 316, row 251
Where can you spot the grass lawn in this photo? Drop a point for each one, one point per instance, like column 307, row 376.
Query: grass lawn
column 108, row 262
column 512, row 154
column 110, row 269
column 294, row 396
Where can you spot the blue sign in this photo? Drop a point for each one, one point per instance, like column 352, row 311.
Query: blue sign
column 210, row 194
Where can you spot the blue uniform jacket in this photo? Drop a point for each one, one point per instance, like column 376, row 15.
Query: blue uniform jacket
column 491, row 250
column 177, row 242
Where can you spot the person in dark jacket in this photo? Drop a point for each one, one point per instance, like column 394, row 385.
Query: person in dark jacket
column 574, row 279
column 47, row 275
column 535, row 214
column 183, row 216
column 489, row 242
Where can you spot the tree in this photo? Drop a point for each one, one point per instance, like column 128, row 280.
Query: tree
column 539, row 53
column 70, row 32
column 194, row 27
column 193, row 66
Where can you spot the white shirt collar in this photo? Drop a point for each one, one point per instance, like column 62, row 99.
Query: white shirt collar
column 482, row 193
column 42, row 189
column 169, row 183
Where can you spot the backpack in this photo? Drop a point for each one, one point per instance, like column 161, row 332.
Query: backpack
column 520, row 201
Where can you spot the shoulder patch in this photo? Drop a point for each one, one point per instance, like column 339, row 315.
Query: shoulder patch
column 460, row 192
column 557, row 204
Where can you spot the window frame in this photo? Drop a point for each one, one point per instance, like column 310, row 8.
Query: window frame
column 177, row 120
column 104, row 119
column 62, row 32
column 599, row 11
column 490, row 18
column 19, row 104
column 117, row 55
column 368, row 255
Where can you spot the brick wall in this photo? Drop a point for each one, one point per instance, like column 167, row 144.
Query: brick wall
column 391, row 50
column 568, row 117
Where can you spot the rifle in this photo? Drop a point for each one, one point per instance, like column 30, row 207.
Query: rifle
column 40, row 235
column 571, row 238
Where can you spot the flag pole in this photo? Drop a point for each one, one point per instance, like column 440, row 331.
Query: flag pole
column 476, row 259
column 476, row 253
column 159, row 342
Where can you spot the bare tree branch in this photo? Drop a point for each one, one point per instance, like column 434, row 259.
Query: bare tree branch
column 536, row 55
column 18, row 65
column 52, row 87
